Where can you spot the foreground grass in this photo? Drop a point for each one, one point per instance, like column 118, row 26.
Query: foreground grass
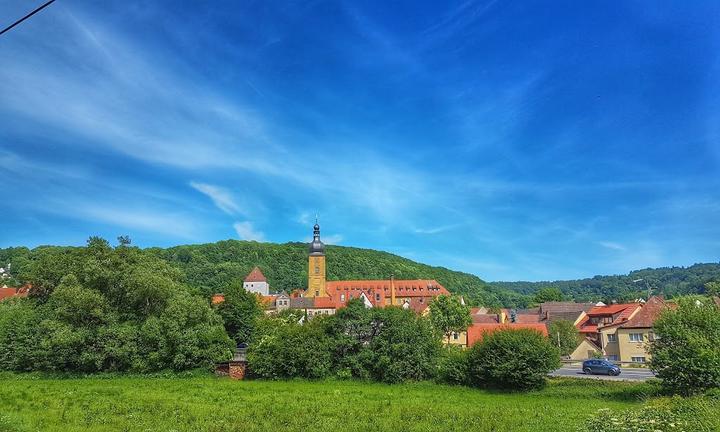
column 207, row 403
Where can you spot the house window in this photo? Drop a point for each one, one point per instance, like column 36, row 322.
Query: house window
column 612, row 357
column 342, row 297
column 607, row 320
column 612, row 337
column 456, row 336
column 638, row 359
column 377, row 297
column 317, row 293
column 636, row 337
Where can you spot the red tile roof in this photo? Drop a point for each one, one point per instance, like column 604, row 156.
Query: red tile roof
column 645, row 318
column 14, row 292
column 476, row 332
column 484, row 318
column 525, row 319
column 403, row 288
column 611, row 309
column 255, row 276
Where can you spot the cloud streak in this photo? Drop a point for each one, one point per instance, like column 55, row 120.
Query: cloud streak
column 222, row 198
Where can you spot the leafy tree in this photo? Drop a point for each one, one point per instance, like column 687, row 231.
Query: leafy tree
column 448, row 315
column 687, row 354
column 352, row 329
column 78, row 306
column 19, row 334
column 240, row 312
column 548, row 294
column 405, row 349
column 564, row 335
column 187, row 334
column 291, row 350
column 512, row 359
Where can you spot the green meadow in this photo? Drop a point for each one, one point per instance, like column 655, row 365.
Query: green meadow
column 207, row 403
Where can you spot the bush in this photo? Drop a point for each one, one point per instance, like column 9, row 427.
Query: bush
column 514, row 359
column 687, row 354
column 453, row 366
column 290, row 350
column 675, row 414
column 406, row 347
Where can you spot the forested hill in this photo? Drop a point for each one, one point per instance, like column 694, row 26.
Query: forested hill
column 211, row 267
column 669, row 281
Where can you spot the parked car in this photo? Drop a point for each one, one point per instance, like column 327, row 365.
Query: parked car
column 601, row 367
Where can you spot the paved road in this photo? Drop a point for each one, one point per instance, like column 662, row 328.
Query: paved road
column 630, row 374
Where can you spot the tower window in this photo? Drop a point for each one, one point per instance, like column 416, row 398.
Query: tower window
column 317, row 270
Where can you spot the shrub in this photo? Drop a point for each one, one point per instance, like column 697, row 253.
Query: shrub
column 514, row 359
column 406, row 347
column 453, row 366
column 687, row 354
column 290, row 350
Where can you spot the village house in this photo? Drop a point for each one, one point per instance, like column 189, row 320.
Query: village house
column 600, row 326
column 634, row 335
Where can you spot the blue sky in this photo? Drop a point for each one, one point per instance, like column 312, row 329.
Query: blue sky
column 516, row 140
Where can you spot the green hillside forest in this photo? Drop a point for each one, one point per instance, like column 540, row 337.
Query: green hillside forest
column 668, row 281
column 211, row 267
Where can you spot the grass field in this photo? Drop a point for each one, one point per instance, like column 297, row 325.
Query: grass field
column 207, row 403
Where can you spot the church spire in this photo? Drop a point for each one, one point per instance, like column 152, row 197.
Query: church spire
column 317, row 247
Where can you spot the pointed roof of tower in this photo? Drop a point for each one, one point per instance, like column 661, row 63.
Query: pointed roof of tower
column 317, row 247
column 255, row 276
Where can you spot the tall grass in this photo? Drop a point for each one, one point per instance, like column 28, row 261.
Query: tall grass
column 206, row 403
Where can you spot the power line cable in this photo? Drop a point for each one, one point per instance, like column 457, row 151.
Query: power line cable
column 27, row 16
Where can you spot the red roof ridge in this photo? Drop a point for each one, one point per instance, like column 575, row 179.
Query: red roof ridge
column 255, row 276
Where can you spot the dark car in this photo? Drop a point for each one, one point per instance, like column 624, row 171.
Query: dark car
column 601, row 367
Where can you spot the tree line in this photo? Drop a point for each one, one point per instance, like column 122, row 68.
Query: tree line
column 667, row 281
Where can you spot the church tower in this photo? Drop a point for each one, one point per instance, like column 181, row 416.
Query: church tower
column 316, row 266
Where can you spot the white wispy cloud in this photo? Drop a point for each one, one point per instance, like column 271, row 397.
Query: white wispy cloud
column 246, row 231
column 435, row 230
column 612, row 245
column 222, row 198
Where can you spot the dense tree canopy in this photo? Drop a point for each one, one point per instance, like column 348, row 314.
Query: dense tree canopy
column 240, row 312
column 100, row 308
column 686, row 355
column 668, row 281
